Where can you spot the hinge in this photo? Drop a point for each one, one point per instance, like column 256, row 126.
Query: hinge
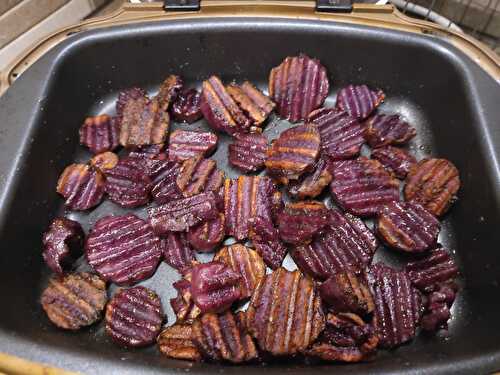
column 181, row 5
column 334, row 6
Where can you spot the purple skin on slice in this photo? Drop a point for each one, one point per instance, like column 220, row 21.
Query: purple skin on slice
column 177, row 252
column 82, row 186
column 100, row 134
column 248, row 152
column 128, row 185
column 298, row 86
column 435, row 268
column 185, row 144
column 123, row 249
column 383, row 130
column 266, row 240
column 398, row 305
column 62, row 244
column 205, row 237
column 408, row 227
column 346, row 245
column 359, row 101
column 134, row 317
column 214, row 286
column 181, row 214
column 341, row 134
column 395, row 160
column 126, row 95
column 186, row 107
column 164, row 181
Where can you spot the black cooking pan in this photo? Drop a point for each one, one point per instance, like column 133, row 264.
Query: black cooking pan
column 445, row 84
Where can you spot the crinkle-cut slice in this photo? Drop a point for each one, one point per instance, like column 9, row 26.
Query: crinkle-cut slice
column 62, row 244
column 300, row 221
column 294, row 152
column 183, row 305
column 395, row 160
column 185, row 144
column 244, row 199
column 155, row 151
column 266, row 240
column 133, row 93
column 434, row 184
column 134, row 317
column 164, row 181
column 127, row 184
column 382, row 130
column 176, row 342
column 82, row 186
column 341, row 134
column 100, row 133
column 181, row 214
column 177, row 252
column 214, row 286
column 169, row 89
column 123, row 249
column 143, row 123
column 247, row 263
column 298, row 86
column 362, row 186
column 252, row 101
column 222, row 337
column 206, row 236
column 285, row 314
column 346, row 338
column 435, row 268
column 198, row 175
column 346, row 292
column 359, row 101
column 105, row 161
column 74, row 300
column 345, row 245
column 248, row 152
column 408, row 227
column 398, row 305
column 186, row 106
column 220, row 110
column 311, row 185
column 437, row 312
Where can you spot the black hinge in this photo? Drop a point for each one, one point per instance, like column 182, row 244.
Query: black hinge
column 334, row 6
column 181, row 5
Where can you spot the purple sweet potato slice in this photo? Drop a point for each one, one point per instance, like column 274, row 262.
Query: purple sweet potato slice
column 247, row 263
column 187, row 106
column 134, row 317
column 434, row 184
column 298, row 86
column 127, row 184
column 185, row 144
column 214, row 286
column 104, row 161
column 437, row 310
column 123, row 249
column 222, row 337
column 164, row 181
column 398, row 305
column 294, row 152
column 198, row 175
column 345, row 245
column 133, row 93
column 252, row 101
column 285, row 314
column 176, row 342
column 267, row 242
column 248, row 152
column 62, row 244
column 341, row 134
column 100, row 133
column 408, row 227
column 395, row 160
column 82, row 186
column 362, row 186
column 311, row 184
column 205, row 237
column 177, row 251
column 168, row 92
column 220, row 110
column 183, row 305
column 300, row 221
column 383, row 130
column 346, row 338
column 181, row 214
column 435, row 268
column 359, row 101
column 74, row 300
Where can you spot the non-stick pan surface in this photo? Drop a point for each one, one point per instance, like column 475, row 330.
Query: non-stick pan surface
column 450, row 100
